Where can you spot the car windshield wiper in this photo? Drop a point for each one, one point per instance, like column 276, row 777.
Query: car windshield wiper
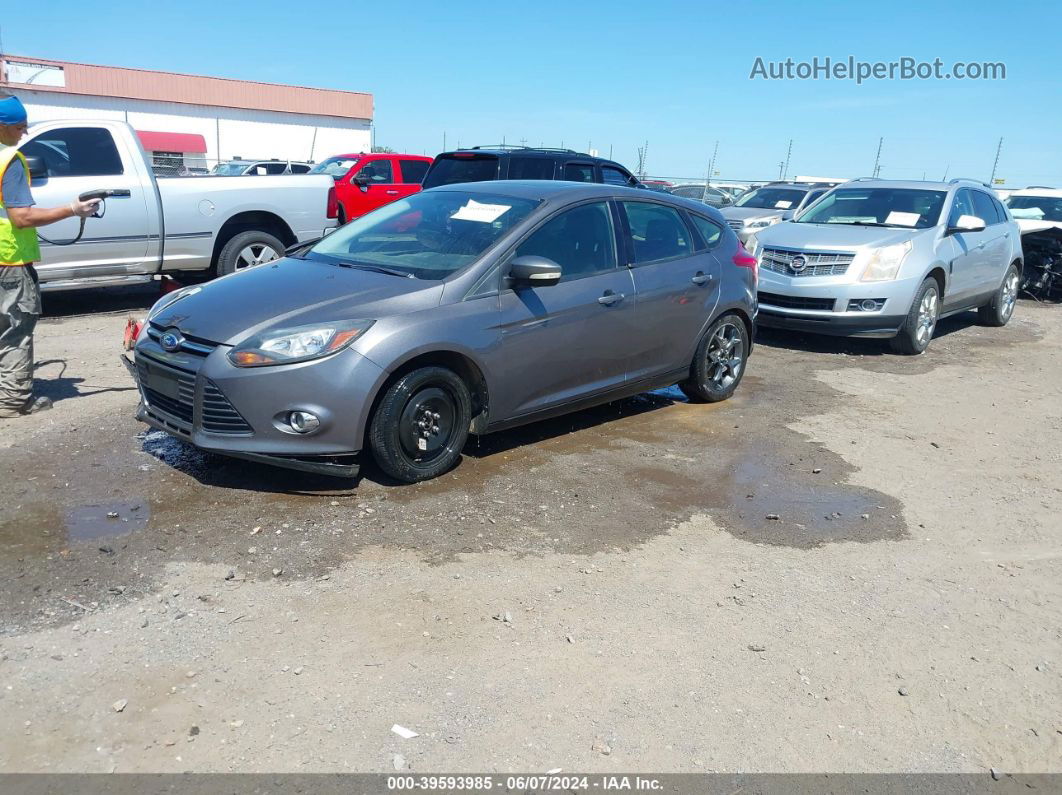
column 365, row 266
column 874, row 223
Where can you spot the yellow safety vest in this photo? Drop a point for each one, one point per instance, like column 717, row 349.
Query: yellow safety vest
column 17, row 246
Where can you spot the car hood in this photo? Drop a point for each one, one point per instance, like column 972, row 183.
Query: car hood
column 834, row 236
column 291, row 292
column 1026, row 225
column 742, row 213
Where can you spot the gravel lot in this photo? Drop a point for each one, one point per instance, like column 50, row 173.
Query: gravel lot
column 601, row 592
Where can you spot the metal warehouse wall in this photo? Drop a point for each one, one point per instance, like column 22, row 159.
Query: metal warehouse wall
column 228, row 131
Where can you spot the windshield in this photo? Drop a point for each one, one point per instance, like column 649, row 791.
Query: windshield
column 335, row 167
column 1036, row 208
column 451, row 169
column 771, row 198
column 896, row 207
column 694, row 192
column 230, row 169
column 429, row 235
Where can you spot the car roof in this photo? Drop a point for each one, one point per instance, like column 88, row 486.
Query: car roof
column 1054, row 193
column 532, row 152
column 555, row 190
column 915, row 184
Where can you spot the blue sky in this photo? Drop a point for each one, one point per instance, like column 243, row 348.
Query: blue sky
column 615, row 75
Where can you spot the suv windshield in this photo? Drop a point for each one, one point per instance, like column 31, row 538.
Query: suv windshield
column 897, row 207
column 1036, row 208
column 335, row 167
column 771, row 198
column 450, row 169
column 429, row 235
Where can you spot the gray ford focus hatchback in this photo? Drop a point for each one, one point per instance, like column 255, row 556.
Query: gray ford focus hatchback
column 464, row 309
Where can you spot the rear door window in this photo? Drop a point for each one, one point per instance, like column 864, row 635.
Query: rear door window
column 531, row 167
column 451, row 169
column 579, row 172
column 299, row 168
column 657, row 231
column 709, row 230
column 413, row 171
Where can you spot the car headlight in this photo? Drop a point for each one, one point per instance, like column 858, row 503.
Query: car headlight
column 759, row 223
column 286, row 346
column 882, row 264
column 752, row 245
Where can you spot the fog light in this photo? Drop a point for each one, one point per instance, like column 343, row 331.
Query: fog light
column 865, row 304
column 303, row 421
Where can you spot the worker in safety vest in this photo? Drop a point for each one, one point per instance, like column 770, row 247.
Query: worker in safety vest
column 20, row 298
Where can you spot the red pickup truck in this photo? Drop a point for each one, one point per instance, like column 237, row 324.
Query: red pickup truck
column 365, row 182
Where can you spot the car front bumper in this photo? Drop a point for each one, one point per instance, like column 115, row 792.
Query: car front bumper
column 240, row 412
column 821, row 304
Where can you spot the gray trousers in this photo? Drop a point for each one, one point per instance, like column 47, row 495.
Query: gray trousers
column 20, row 306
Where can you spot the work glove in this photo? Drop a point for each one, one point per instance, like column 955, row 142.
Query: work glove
column 85, row 209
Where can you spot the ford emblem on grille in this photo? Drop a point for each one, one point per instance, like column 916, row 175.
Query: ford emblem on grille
column 797, row 264
column 171, row 341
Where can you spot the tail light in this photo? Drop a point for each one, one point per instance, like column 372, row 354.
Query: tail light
column 743, row 259
column 333, row 203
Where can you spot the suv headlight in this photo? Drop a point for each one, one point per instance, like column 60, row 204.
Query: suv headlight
column 752, row 245
column 300, row 344
column 760, row 223
column 882, row 264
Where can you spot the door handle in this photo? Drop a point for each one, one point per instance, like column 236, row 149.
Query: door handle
column 980, row 245
column 392, row 193
column 610, row 298
column 701, row 278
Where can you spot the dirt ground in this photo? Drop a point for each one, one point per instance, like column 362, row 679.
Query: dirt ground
column 603, row 592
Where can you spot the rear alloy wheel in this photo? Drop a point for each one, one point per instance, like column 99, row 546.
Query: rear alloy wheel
column 421, row 424
column 719, row 361
column 917, row 329
column 248, row 250
column 1000, row 309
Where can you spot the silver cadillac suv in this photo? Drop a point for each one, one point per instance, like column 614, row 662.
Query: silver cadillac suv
column 888, row 258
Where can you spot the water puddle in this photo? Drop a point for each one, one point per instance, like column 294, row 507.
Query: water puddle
column 105, row 520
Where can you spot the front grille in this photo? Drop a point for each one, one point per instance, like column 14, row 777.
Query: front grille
column 219, row 416
column 793, row 302
column 817, row 263
column 735, row 224
column 169, row 396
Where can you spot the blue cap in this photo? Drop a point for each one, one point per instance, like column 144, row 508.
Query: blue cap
column 12, row 111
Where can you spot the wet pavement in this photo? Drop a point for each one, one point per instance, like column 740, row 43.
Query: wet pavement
column 109, row 502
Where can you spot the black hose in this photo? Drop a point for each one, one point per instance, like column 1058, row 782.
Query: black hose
column 71, row 242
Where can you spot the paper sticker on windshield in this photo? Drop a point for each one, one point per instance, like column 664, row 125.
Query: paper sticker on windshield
column 783, row 205
column 477, row 211
column 903, row 219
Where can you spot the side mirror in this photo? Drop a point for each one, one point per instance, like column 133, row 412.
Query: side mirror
column 968, row 223
column 534, row 271
column 38, row 169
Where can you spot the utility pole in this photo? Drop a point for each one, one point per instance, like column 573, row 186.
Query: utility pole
column 785, row 172
column 946, row 170
column 610, row 151
column 781, row 165
column 642, row 152
column 877, row 160
column 711, row 170
column 444, row 140
column 992, row 179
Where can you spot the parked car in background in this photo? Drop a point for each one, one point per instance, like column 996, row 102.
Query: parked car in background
column 888, row 259
column 708, row 194
column 259, row 168
column 1036, row 208
column 660, row 185
column 768, row 204
column 480, row 164
column 392, row 331
column 198, row 226
column 367, row 181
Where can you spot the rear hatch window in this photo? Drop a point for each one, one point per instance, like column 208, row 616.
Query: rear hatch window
column 451, row 169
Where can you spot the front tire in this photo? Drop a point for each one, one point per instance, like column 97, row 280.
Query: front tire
column 247, row 250
column 421, row 424
column 1000, row 309
column 719, row 361
column 921, row 321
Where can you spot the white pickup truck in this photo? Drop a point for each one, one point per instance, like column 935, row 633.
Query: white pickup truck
column 207, row 226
